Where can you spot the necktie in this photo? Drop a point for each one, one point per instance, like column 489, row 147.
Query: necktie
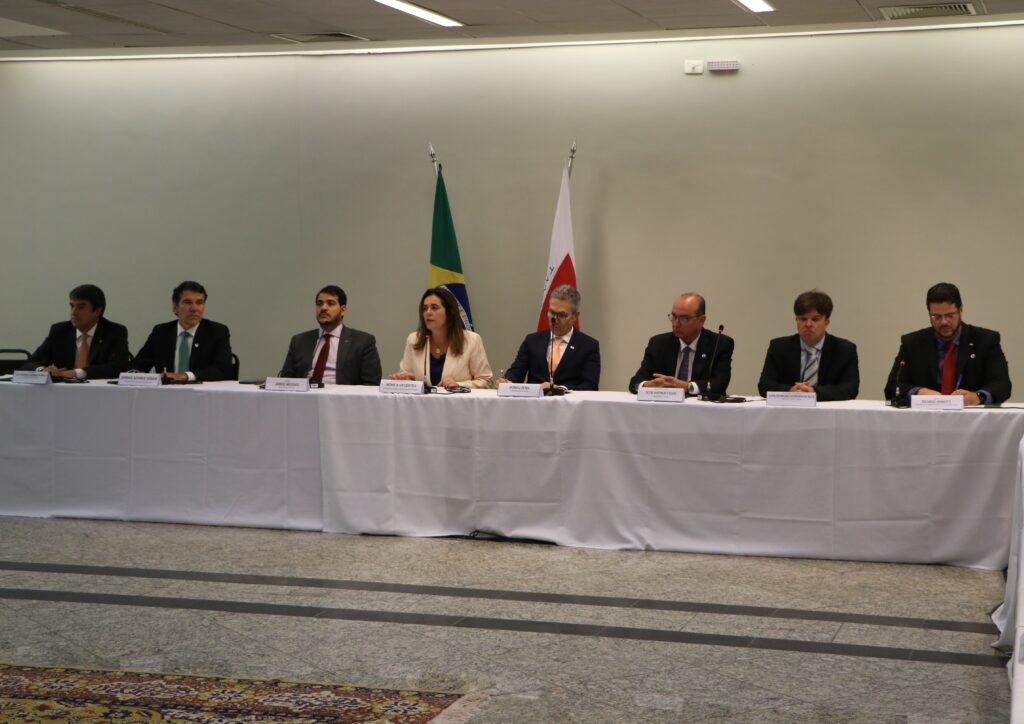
column 321, row 360
column 82, row 359
column 949, row 370
column 556, row 353
column 811, row 370
column 683, row 371
column 183, row 349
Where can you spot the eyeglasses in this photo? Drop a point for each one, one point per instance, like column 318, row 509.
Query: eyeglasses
column 949, row 317
column 683, row 318
column 560, row 316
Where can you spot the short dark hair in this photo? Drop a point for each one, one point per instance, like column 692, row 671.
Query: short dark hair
column 813, row 301
column 188, row 287
column 334, row 290
column 89, row 293
column 943, row 293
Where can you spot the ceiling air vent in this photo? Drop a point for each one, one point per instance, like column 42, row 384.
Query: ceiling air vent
column 942, row 10
column 316, row 37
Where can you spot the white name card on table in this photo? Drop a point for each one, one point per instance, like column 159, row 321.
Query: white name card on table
column 519, row 389
column 138, row 379
column 936, row 402
column 792, row 399
column 29, row 377
column 660, row 394
column 402, row 387
column 287, row 384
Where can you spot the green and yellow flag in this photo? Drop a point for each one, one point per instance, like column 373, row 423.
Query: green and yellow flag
column 445, row 263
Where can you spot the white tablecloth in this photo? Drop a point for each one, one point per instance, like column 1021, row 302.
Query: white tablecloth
column 851, row 480
column 215, row 454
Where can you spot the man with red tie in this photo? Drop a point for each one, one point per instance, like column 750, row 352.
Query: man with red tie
column 88, row 346
column 334, row 353
column 950, row 357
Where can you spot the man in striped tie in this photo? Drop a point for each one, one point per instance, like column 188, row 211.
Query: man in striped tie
column 950, row 357
column 812, row 360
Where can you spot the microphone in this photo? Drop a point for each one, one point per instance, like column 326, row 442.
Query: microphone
column 709, row 396
column 897, row 400
column 427, row 387
column 552, row 390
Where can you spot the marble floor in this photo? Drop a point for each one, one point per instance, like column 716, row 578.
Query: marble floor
column 535, row 633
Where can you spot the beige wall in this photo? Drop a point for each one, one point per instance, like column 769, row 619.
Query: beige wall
column 870, row 166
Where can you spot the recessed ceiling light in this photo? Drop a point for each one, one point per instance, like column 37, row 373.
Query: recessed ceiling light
column 421, row 13
column 756, row 6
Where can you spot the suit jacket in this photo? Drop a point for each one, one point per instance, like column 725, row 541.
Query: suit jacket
column 663, row 349
column 358, row 362
column 838, row 372
column 209, row 359
column 578, row 369
column 470, row 369
column 108, row 349
column 980, row 363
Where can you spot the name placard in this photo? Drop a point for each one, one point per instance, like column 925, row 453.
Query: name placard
column 936, row 402
column 660, row 394
column 792, row 399
column 519, row 389
column 402, row 387
column 287, row 384
column 138, row 379
column 29, row 377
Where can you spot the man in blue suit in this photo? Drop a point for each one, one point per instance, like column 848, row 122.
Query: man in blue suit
column 561, row 355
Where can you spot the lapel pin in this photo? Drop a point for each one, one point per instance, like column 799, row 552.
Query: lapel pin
column 972, row 355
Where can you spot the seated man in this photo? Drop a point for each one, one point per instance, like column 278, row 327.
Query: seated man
column 811, row 360
column 686, row 356
column 89, row 346
column 561, row 354
column 950, row 357
column 349, row 357
column 191, row 348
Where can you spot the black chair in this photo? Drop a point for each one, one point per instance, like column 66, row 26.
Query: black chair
column 9, row 364
column 235, row 366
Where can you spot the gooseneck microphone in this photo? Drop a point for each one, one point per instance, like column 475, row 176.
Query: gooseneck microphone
column 708, row 395
column 553, row 390
column 427, row 387
column 897, row 399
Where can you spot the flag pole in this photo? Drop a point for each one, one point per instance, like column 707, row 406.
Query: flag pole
column 433, row 156
column 572, row 156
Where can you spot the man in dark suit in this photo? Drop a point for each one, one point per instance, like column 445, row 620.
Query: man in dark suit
column 686, row 356
column 334, row 352
column 89, row 346
column 950, row 357
column 191, row 349
column 811, row 360
column 561, row 354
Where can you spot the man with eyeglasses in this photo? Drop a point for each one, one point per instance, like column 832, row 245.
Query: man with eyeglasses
column 812, row 360
column 686, row 356
column 560, row 355
column 950, row 357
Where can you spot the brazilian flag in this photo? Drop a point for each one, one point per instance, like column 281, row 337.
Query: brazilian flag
column 445, row 264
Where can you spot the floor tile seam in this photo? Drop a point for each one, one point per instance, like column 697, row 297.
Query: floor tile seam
column 695, row 608
column 791, row 645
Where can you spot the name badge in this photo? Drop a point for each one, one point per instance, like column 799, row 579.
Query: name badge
column 287, row 384
column 792, row 399
column 936, row 402
column 138, row 379
column 402, row 387
column 28, row 377
column 661, row 394
column 519, row 389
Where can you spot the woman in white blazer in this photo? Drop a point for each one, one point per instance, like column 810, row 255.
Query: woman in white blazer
column 454, row 356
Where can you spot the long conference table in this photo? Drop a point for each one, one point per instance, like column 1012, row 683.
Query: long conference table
column 852, row 480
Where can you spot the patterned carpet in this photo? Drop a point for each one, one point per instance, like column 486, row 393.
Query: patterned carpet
column 35, row 694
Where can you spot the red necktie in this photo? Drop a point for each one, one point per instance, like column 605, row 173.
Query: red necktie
column 949, row 370
column 321, row 360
